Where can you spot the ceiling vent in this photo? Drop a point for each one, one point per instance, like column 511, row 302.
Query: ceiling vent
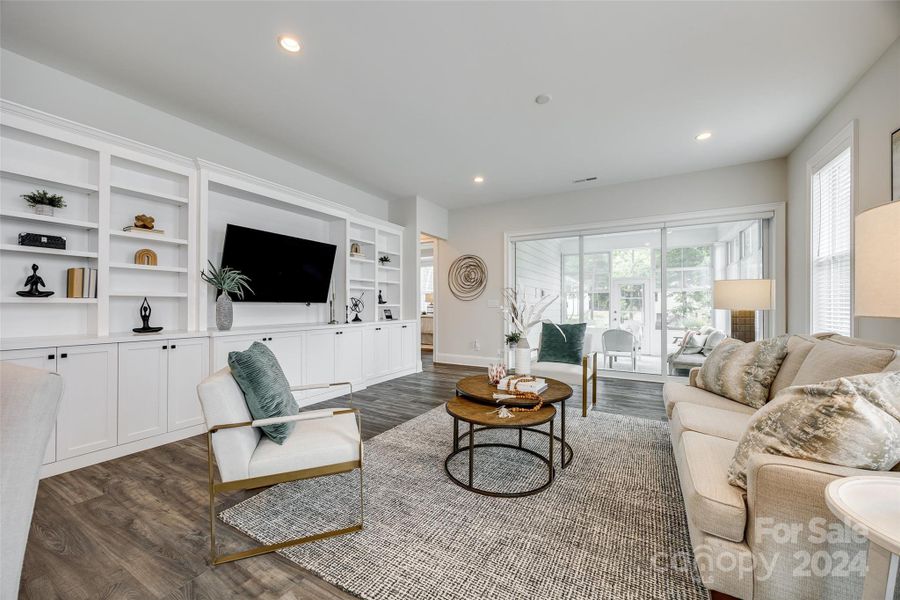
column 585, row 180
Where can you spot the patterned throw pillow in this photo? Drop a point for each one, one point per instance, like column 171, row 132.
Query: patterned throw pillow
column 693, row 342
column 850, row 422
column 743, row 372
column 266, row 389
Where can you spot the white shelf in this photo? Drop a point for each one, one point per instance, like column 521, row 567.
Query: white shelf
column 159, row 268
column 388, row 268
column 362, row 241
column 152, row 237
column 50, row 300
column 359, row 287
column 358, row 280
column 361, row 260
column 148, row 294
column 380, row 251
column 53, row 251
column 50, row 181
column 148, row 194
column 23, row 216
column 389, row 304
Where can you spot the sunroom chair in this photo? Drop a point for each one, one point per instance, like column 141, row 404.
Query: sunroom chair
column 616, row 343
column 322, row 442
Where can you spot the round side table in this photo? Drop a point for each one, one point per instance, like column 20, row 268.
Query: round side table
column 871, row 505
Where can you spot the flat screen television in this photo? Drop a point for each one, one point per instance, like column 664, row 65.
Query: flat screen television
column 281, row 268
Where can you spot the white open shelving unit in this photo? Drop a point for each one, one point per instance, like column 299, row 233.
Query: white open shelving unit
column 105, row 181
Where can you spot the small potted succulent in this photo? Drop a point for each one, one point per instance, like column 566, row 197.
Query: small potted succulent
column 227, row 281
column 512, row 339
column 43, row 202
column 384, row 259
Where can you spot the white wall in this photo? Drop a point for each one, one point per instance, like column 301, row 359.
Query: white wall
column 875, row 104
column 479, row 230
column 43, row 88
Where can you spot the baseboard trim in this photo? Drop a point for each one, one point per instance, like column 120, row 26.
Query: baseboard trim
column 467, row 360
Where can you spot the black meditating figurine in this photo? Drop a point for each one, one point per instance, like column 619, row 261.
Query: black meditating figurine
column 380, row 299
column 33, row 281
column 145, row 317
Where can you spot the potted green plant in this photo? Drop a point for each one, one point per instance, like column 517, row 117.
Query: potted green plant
column 512, row 339
column 227, row 281
column 43, row 202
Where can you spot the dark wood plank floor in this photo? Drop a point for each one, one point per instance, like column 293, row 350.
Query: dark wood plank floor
column 136, row 527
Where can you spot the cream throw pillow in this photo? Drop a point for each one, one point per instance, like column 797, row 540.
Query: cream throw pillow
column 743, row 372
column 850, row 422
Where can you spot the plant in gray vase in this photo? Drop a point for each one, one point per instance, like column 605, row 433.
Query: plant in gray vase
column 227, row 281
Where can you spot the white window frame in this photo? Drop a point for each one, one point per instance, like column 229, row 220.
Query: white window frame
column 844, row 139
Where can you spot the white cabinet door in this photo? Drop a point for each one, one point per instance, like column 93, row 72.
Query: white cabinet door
column 348, row 355
column 87, row 412
column 320, row 357
column 143, row 390
column 223, row 345
column 382, row 350
column 395, row 361
column 368, row 352
column 188, row 366
column 408, row 346
column 288, row 349
column 39, row 358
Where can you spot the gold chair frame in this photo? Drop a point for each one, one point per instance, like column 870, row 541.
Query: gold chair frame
column 269, row 480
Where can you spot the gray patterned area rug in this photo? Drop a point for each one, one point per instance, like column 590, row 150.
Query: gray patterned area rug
column 593, row 534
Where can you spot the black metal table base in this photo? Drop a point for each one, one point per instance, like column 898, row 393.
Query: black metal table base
column 547, row 460
column 566, row 454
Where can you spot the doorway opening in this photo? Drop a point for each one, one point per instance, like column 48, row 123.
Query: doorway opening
column 427, row 297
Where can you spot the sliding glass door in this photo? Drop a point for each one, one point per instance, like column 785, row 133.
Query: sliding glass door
column 614, row 282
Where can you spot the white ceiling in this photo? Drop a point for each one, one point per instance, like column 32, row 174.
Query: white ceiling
column 417, row 98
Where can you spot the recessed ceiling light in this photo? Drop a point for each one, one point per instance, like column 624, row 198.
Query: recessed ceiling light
column 478, row 179
column 543, row 99
column 289, row 43
column 703, row 136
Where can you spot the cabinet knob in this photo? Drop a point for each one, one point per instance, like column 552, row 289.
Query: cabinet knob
column 404, row 327
column 378, row 329
column 64, row 355
column 173, row 346
column 51, row 356
column 165, row 347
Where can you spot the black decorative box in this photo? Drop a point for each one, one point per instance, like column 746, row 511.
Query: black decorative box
column 40, row 240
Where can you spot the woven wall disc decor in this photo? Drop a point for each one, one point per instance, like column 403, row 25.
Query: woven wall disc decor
column 467, row 277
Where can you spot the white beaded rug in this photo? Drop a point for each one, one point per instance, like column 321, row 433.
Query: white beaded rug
column 605, row 528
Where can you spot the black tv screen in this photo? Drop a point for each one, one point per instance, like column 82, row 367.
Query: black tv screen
column 281, row 268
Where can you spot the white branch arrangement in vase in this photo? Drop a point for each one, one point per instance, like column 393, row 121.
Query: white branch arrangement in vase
column 523, row 316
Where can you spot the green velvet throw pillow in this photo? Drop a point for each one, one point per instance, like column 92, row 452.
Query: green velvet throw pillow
column 556, row 348
column 266, row 389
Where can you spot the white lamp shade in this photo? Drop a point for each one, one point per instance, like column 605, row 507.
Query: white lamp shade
column 744, row 294
column 877, row 263
column 429, row 297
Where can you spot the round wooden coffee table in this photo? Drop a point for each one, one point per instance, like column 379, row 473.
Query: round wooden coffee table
column 477, row 414
column 480, row 389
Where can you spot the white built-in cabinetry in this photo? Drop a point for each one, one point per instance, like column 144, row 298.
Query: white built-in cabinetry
column 125, row 392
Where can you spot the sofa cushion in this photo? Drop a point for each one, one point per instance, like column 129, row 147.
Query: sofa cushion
column 712, row 504
column 562, row 343
column 715, row 337
column 850, row 422
column 718, row 422
column 314, row 443
column 743, row 372
column 693, row 342
column 841, row 357
column 798, row 348
column 673, row 393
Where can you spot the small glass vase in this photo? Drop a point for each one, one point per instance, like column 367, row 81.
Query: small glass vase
column 224, row 312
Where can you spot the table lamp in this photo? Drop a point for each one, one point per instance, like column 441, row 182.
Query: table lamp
column 743, row 297
column 429, row 298
column 877, row 263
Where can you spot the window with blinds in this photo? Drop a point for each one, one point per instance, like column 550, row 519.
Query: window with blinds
column 832, row 219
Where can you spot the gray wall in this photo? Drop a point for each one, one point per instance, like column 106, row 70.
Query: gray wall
column 875, row 104
column 38, row 86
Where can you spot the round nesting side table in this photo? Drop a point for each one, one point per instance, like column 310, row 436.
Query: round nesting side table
column 475, row 413
column 871, row 504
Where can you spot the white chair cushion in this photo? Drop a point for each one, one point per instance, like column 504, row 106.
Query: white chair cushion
column 564, row 372
column 311, row 444
column 223, row 402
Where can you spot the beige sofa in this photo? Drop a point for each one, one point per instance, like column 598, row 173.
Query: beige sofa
column 765, row 542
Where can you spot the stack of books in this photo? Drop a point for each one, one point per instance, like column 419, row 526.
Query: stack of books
column 143, row 230
column 81, row 283
column 537, row 386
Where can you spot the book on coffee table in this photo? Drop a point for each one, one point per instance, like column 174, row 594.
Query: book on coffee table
column 537, row 386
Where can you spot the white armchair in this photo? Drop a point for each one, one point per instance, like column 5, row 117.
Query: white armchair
column 619, row 342
column 580, row 374
column 322, row 442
